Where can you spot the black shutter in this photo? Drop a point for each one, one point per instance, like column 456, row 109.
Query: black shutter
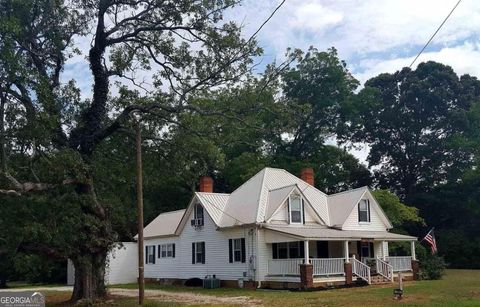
column 173, row 250
column 372, row 250
column 368, row 209
column 288, row 207
column 158, row 251
column 146, row 254
column 303, row 211
column 244, row 256
column 302, row 249
column 230, row 251
column 153, row 253
column 204, row 252
column 274, row 251
column 193, row 252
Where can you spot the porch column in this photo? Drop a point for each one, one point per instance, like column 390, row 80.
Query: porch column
column 384, row 250
column 412, row 247
column 346, row 253
column 306, row 250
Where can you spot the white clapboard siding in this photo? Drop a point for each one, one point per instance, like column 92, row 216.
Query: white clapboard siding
column 216, row 247
column 264, row 254
column 282, row 214
column 121, row 267
column 376, row 223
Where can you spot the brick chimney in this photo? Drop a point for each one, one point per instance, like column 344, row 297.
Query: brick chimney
column 206, row 184
column 307, row 175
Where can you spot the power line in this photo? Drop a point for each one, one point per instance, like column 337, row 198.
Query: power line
column 438, row 29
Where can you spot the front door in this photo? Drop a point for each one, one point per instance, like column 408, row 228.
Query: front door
column 365, row 250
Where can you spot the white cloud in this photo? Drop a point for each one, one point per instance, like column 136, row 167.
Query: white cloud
column 463, row 59
column 314, row 17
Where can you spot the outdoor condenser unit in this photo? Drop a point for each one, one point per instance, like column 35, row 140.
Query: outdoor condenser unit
column 210, row 282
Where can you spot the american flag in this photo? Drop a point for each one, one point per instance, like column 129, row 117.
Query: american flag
column 430, row 238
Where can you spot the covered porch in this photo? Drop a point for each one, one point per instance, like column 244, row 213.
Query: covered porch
column 325, row 254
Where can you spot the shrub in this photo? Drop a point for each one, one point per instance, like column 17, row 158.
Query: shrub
column 432, row 267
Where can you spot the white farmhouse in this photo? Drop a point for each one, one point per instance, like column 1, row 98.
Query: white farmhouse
column 276, row 230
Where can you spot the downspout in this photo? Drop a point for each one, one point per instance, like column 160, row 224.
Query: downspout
column 259, row 282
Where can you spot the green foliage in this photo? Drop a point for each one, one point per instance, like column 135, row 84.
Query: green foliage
column 317, row 90
column 432, row 267
column 399, row 214
column 410, row 119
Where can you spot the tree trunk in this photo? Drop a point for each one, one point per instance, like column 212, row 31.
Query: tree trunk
column 89, row 278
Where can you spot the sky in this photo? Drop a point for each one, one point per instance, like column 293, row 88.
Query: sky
column 372, row 36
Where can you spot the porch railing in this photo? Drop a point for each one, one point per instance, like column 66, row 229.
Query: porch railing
column 384, row 269
column 361, row 270
column 328, row 266
column 284, row 267
column 400, row 264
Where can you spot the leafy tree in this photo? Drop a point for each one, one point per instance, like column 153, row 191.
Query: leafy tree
column 400, row 215
column 318, row 90
column 410, row 119
column 50, row 161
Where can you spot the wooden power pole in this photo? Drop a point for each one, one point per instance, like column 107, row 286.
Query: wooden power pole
column 141, row 280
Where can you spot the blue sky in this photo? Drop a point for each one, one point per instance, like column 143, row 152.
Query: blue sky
column 372, row 36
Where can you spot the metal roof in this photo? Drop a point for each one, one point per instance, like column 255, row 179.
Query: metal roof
column 340, row 205
column 214, row 203
column 325, row 233
column 249, row 203
column 164, row 224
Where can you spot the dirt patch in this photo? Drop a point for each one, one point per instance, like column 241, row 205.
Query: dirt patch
column 188, row 298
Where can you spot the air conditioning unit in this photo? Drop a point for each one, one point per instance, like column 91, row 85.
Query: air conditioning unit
column 197, row 222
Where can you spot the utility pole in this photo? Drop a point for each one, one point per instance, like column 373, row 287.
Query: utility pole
column 141, row 280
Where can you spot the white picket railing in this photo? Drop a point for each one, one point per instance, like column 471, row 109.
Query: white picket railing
column 361, row 270
column 284, row 267
column 400, row 264
column 384, row 269
column 328, row 266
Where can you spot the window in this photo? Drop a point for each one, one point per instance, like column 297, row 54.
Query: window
column 150, row 254
column 286, row 250
column 198, row 213
column 198, row 252
column 236, row 250
column 364, row 210
column 296, row 209
column 166, row 251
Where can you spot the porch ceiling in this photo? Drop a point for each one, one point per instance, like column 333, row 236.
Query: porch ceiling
column 287, row 233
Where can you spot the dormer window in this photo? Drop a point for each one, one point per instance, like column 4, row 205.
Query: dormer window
column 198, row 219
column 296, row 209
column 364, row 211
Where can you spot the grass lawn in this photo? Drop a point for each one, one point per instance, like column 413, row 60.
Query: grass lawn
column 457, row 288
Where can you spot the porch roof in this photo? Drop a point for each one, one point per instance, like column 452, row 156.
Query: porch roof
column 330, row 234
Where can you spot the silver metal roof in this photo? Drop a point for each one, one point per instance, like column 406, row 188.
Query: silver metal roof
column 164, row 224
column 325, row 233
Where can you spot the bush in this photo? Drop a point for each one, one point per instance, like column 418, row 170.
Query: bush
column 432, row 267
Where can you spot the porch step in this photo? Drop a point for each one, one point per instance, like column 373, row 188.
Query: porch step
column 378, row 280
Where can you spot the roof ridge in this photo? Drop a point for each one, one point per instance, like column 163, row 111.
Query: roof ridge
column 168, row 212
column 348, row 191
column 287, row 186
column 250, row 179
column 214, row 193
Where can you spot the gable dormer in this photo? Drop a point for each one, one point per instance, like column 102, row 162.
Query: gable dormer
column 288, row 205
column 367, row 215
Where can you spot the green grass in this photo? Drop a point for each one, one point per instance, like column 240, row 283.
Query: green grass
column 457, row 288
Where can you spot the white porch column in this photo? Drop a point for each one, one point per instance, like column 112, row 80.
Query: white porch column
column 412, row 247
column 307, row 251
column 384, row 250
column 345, row 250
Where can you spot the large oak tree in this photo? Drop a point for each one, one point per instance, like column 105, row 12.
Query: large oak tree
column 50, row 140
